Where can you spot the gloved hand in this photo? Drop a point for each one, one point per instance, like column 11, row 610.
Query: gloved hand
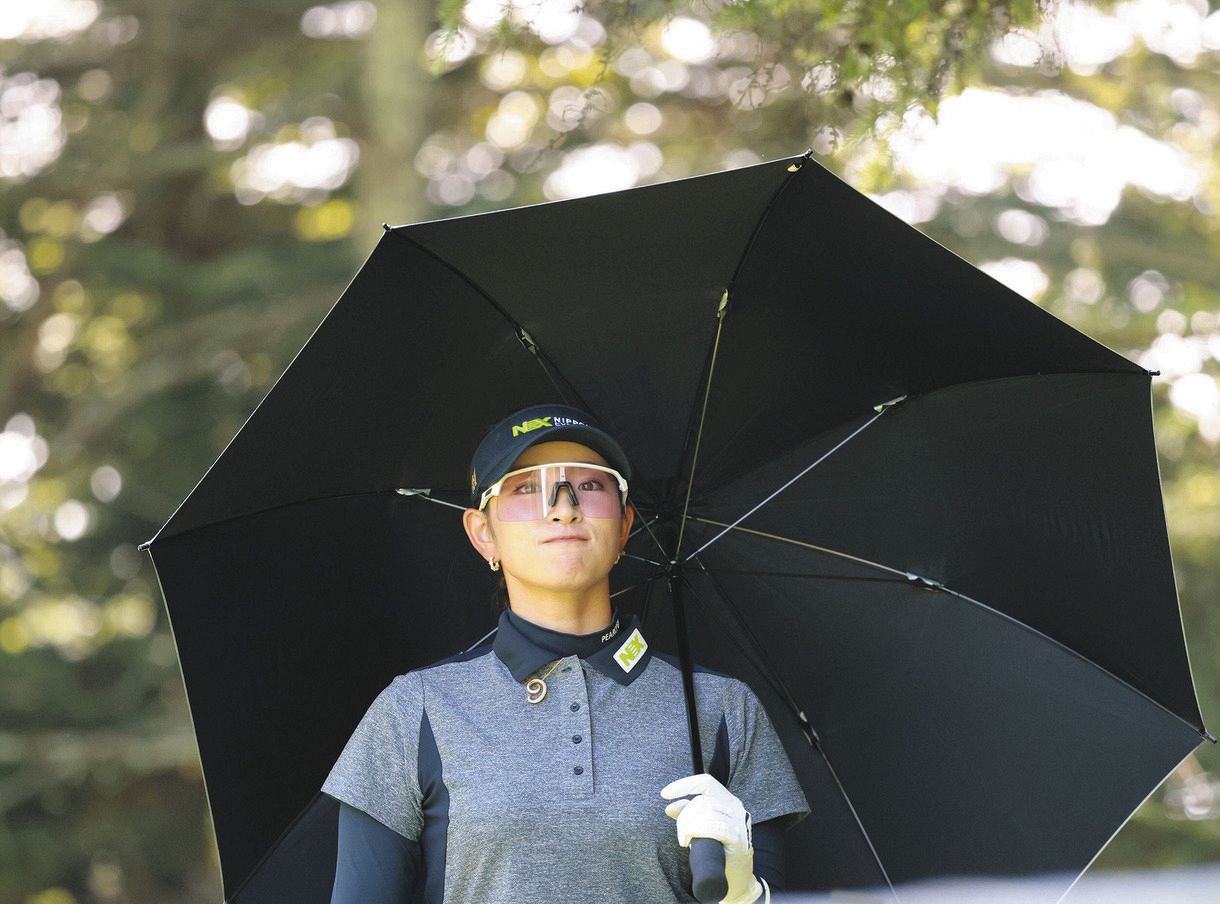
column 715, row 812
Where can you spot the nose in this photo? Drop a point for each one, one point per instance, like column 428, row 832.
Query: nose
column 564, row 507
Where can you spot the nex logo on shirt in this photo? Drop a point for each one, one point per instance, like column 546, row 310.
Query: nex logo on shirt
column 630, row 652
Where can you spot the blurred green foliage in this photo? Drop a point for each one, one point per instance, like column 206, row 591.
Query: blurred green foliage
column 188, row 187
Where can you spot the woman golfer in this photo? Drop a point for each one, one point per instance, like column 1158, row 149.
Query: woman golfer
column 537, row 766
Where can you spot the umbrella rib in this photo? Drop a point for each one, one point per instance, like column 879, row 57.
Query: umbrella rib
column 813, row 576
column 856, row 816
column 427, row 496
column 647, row 582
column 523, row 336
column 283, row 505
column 481, row 639
column 1120, row 827
column 938, row 586
column 721, row 311
column 652, row 584
column 707, row 392
column 930, row 584
column 793, row 168
column 802, row 543
column 275, row 845
column 754, row 652
column 646, row 561
column 882, row 409
column 646, row 525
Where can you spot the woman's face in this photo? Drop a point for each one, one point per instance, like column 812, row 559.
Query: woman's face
column 565, row 551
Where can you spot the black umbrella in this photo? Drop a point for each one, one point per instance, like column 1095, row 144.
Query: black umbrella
column 924, row 521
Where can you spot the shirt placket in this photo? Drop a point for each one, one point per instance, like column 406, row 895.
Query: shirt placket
column 573, row 722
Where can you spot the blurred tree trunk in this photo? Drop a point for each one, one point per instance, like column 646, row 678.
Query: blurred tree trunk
column 395, row 92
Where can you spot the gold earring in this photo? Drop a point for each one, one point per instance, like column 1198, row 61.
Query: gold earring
column 616, row 558
column 493, row 564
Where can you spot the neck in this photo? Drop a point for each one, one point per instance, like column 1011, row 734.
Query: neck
column 570, row 613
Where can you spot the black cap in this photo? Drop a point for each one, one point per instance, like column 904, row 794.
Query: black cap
column 505, row 442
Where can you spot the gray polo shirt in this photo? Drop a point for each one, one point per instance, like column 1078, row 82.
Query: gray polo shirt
column 511, row 800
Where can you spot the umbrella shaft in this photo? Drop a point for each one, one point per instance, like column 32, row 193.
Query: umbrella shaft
column 684, row 658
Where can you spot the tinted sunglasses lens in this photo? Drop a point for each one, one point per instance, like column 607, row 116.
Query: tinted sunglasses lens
column 532, row 494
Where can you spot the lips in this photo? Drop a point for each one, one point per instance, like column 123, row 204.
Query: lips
column 565, row 538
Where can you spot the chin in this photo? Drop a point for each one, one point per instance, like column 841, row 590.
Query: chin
column 559, row 576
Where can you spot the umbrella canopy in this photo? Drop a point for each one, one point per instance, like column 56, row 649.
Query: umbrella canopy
column 920, row 516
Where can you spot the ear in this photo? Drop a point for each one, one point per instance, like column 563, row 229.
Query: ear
column 628, row 517
column 478, row 530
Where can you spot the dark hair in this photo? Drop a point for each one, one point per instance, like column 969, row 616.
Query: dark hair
column 499, row 601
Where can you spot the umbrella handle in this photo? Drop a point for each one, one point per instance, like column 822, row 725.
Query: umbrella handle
column 708, row 881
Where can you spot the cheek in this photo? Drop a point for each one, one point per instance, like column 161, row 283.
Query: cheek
column 612, row 538
column 509, row 545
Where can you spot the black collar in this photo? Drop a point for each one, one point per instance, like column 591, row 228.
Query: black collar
column 525, row 647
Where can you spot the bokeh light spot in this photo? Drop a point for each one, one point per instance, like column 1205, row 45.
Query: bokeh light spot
column 325, row 222
column 351, row 19
column 642, row 118
column 71, row 520
column 45, row 254
column 688, row 40
column 14, row 636
column 1024, row 277
column 106, row 483
column 46, row 19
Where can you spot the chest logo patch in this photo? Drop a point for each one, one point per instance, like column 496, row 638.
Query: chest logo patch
column 632, row 651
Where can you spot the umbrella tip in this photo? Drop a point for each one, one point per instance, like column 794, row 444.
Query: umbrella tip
column 1209, row 736
column 800, row 161
column 144, row 545
column 386, row 226
column 890, row 404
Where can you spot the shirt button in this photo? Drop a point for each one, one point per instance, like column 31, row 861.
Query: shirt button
column 574, row 707
column 575, row 739
column 578, row 770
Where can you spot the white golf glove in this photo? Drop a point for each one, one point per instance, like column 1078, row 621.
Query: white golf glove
column 715, row 812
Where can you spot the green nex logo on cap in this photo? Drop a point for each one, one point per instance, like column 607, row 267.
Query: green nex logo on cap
column 533, row 424
column 550, row 420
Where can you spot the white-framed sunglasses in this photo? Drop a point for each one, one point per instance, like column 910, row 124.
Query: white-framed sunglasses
column 528, row 494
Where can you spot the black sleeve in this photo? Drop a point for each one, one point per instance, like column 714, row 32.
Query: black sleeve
column 769, row 852
column 375, row 865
